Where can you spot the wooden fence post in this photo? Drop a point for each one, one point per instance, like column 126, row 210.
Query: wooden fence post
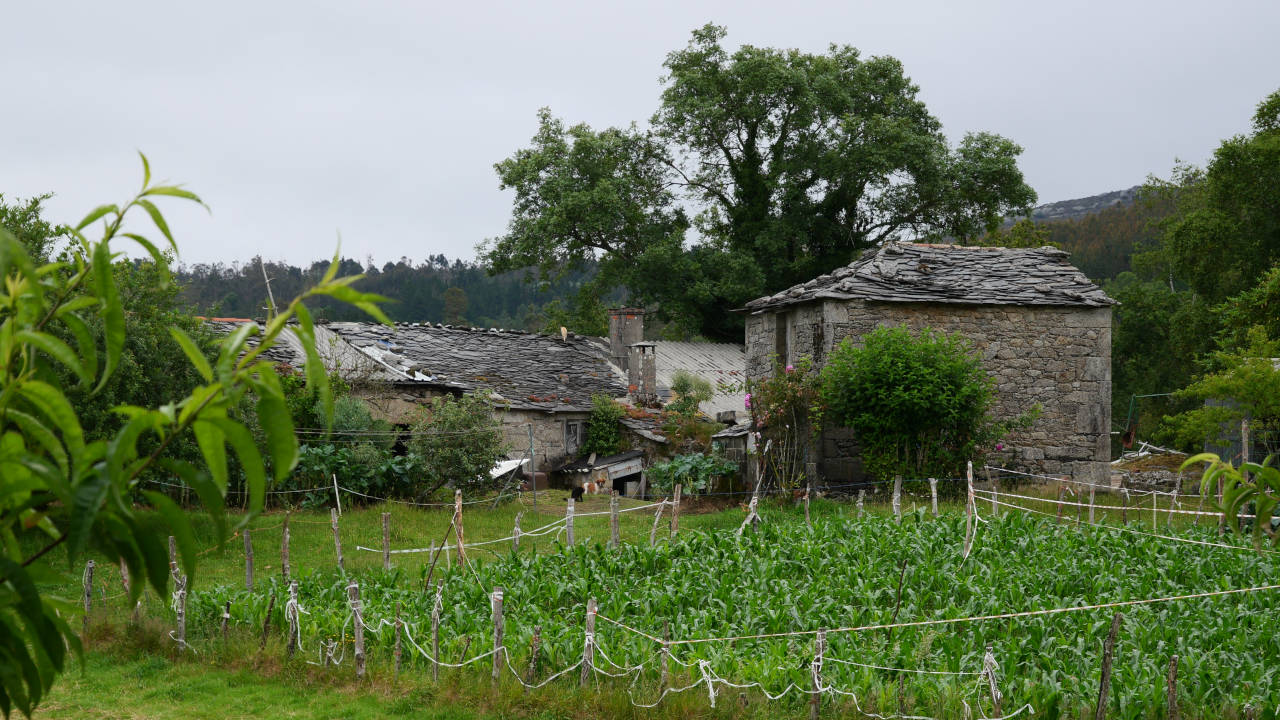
column 588, row 646
column 173, row 557
column 1124, row 506
column 399, row 650
column 1092, row 489
column 386, row 541
column 284, row 550
column 1173, row 501
column 614, row 534
column 807, row 521
column 933, row 495
column 291, row 615
column 897, row 497
column 457, row 517
column 180, row 596
column 248, row 561
column 995, row 509
column 969, row 509
column 534, row 649
column 861, row 495
column 1061, row 488
column 357, row 621
column 337, row 541
column 664, row 655
column 1104, row 681
column 498, row 627
column 124, row 576
column 515, row 534
column 435, row 634
column 88, row 595
column 1171, row 690
column 675, row 512
column 657, row 516
column 815, row 671
column 568, row 522
column 226, row 616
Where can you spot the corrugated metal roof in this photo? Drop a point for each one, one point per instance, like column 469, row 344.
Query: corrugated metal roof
column 720, row 364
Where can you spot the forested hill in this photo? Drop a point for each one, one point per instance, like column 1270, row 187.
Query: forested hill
column 1102, row 231
column 436, row 290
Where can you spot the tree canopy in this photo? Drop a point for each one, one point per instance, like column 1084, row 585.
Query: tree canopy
column 762, row 168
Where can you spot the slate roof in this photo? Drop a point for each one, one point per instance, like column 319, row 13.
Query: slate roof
column 336, row 354
column 917, row 272
column 529, row 370
column 717, row 363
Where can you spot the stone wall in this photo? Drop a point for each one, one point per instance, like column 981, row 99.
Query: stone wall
column 1059, row 357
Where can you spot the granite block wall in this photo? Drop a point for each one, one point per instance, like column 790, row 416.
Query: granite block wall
column 1056, row 356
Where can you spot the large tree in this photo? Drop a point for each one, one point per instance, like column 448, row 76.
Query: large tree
column 790, row 163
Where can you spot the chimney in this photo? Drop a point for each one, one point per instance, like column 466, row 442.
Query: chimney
column 626, row 328
column 642, row 372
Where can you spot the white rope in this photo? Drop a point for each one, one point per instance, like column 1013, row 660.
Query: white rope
column 902, row 670
column 1097, row 506
column 1119, row 528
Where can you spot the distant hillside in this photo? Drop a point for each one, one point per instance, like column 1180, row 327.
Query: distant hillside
column 1079, row 207
column 1101, row 232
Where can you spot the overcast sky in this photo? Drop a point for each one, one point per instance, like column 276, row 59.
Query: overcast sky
column 381, row 122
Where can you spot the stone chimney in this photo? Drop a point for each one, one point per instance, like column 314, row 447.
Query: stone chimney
column 626, row 328
column 642, row 372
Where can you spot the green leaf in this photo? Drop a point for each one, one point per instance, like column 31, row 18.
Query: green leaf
column 36, row 430
column 97, row 213
column 86, row 502
column 277, row 424
column 111, row 310
column 179, row 527
column 317, row 378
column 210, row 495
column 192, row 351
column 174, row 191
column 158, row 219
column 56, row 349
column 241, row 440
column 54, row 405
column 162, row 263
column 212, row 445
column 146, row 170
column 88, row 349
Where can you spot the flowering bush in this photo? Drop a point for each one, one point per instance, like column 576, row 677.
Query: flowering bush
column 785, row 411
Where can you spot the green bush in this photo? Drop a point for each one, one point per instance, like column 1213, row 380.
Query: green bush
column 920, row 404
column 458, row 441
column 695, row 473
column 690, row 391
column 604, row 432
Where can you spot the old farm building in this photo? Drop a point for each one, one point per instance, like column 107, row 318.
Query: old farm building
column 1043, row 329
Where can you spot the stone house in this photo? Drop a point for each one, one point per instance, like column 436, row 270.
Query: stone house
column 539, row 382
column 1042, row 328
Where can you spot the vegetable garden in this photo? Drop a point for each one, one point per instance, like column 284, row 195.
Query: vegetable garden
column 713, row 592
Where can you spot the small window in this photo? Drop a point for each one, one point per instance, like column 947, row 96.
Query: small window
column 574, row 435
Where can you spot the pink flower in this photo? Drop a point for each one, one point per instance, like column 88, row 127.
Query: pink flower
column 791, row 368
column 747, row 401
column 999, row 446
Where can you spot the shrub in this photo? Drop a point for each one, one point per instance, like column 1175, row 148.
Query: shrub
column 920, row 404
column 690, row 391
column 695, row 473
column 786, row 412
column 458, row 441
column 604, row 434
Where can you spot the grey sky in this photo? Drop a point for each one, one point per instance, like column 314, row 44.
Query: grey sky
column 297, row 121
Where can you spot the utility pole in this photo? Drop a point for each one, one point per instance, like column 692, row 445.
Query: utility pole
column 533, row 469
column 270, row 296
